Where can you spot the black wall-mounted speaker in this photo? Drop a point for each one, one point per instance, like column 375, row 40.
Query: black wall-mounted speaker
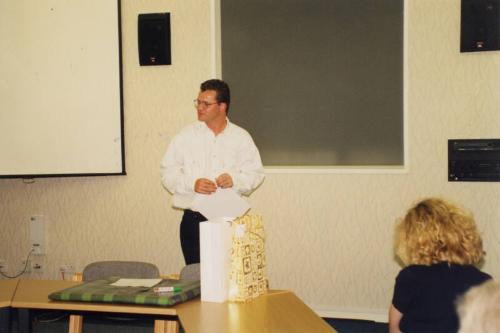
column 479, row 27
column 154, row 39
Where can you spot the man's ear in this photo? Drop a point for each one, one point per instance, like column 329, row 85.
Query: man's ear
column 223, row 106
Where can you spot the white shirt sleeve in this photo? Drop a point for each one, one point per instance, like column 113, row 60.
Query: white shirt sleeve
column 174, row 176
column 249, row 172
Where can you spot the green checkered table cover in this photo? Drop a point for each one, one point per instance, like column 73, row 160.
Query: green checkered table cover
column 102, row 291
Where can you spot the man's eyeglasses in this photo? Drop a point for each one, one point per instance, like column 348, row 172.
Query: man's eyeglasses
column 203, row 104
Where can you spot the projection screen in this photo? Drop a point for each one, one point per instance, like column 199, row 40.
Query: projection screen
column 61, row 110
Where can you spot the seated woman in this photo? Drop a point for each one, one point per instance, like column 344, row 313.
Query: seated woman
column 439, row 243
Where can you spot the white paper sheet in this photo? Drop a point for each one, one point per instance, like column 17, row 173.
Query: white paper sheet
column 223, row 203
column 136, row 282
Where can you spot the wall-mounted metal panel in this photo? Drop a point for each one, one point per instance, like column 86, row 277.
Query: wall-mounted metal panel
column 474, row 160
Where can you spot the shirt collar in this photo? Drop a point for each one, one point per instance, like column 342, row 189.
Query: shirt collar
column 202, row 126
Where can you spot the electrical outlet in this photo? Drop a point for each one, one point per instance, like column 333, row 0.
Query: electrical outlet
column 3, row 266
column 37, row 234
column 36, row 267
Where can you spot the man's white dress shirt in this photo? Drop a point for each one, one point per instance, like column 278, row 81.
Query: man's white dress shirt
column 196, row 152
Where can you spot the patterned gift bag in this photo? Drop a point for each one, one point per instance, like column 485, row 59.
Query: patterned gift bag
column 247, row 277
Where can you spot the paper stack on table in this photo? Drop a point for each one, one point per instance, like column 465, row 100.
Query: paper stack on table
column 136, row 282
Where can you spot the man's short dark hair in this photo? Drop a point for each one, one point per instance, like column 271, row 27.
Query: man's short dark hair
column 221, row 88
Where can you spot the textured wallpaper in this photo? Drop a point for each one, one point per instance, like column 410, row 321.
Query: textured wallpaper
column 329, row 235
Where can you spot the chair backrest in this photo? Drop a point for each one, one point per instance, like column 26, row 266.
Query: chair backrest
column 190, row 272
column 124, row 269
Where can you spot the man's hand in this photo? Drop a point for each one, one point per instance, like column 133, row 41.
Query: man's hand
column 204, row 186
column 224, row 181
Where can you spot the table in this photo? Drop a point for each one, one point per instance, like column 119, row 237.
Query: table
column 33, row 294
column 7, row 291
column 277, row 311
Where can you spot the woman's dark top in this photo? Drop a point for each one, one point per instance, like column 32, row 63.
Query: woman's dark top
column 426, row 295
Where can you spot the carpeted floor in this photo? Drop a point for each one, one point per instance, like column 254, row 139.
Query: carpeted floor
column 357, row 326
column 55, row 323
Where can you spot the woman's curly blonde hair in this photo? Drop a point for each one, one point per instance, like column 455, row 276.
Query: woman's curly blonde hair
column 434, row 231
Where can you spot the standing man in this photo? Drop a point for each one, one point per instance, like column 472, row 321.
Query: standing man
column 209, row 154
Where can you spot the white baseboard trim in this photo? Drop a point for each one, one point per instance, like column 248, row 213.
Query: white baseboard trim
column 380, row 315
